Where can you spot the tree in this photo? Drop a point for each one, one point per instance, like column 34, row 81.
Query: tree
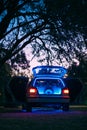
column 67, row 36
column 26, row 21
column 14, row 16
column 19, row 64
column 5, row 75
column 79, row 70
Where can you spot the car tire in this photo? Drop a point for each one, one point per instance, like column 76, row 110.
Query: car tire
column 65, row 107
column 28, row 108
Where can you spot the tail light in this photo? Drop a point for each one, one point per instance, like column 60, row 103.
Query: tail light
column 65, row 91
column 32, row 91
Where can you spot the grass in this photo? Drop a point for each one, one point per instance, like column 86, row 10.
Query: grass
column 48, row 121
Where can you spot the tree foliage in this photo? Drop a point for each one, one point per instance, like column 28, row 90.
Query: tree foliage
column 49, row 26
column 19, row 64
column 79, row 71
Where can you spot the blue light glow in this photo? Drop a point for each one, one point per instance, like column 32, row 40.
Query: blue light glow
column 49, row 71
column 49, row 85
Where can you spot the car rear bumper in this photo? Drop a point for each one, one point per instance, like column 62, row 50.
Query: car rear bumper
column 48, row 100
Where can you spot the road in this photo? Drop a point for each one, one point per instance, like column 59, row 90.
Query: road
column 18, row 113
column 44, row 119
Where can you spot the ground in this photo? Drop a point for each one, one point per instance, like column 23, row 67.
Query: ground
column 44, row 119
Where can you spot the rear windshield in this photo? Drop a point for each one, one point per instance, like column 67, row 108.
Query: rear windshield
column 49, row 82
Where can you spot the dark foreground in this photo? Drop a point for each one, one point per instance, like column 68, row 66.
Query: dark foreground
column 44, row 119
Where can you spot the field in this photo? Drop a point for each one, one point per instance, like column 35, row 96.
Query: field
column 75, row 119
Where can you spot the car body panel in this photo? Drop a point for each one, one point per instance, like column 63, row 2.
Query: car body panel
column 47, row 99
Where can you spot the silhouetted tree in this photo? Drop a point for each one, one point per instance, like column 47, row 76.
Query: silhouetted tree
column 41, row 21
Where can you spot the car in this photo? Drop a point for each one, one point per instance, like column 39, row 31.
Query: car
column 47, row 88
